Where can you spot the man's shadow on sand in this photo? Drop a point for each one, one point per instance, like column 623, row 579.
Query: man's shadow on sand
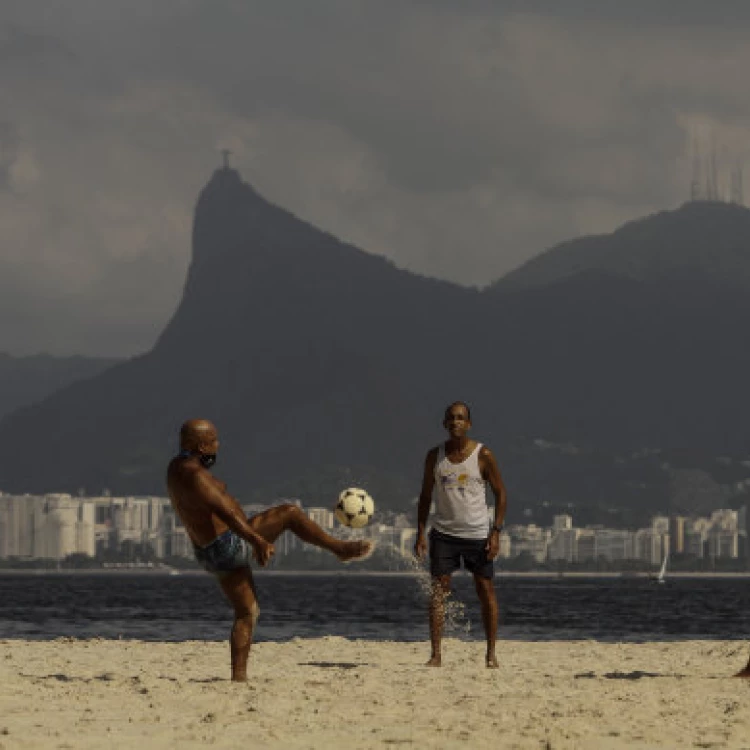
column 635, row 675
column 332, row 664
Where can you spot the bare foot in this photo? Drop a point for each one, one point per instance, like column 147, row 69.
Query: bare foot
column 356, row 551
column 491, row 662
column 434, row 662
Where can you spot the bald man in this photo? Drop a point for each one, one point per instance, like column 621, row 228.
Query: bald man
column 225, row 540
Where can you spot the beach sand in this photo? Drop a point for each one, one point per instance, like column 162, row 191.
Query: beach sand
column 338, row 693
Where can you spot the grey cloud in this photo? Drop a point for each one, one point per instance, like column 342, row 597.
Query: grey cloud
column 638, row 13
column 95, row 318
column 9, row 142
column 413, row 130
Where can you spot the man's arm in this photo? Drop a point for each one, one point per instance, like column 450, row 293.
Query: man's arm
column 222, row 504
column 491, row 474
column 425, row 501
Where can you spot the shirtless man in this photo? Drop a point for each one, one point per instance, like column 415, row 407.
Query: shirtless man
column 225, row 540
column 458, row 469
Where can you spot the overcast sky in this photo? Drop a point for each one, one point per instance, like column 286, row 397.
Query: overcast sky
column 456, row 138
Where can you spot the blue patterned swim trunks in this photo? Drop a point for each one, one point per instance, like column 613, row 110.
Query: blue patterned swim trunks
column 226, row 553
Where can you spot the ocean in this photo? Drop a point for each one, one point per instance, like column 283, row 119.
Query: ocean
column 157, row 607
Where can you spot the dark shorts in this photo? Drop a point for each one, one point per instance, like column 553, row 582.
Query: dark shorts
column 446, row 553
column 226, row 553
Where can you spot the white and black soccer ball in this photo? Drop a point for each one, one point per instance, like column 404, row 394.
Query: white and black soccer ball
column 354, row 507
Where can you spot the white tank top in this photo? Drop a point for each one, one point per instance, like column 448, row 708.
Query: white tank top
column 460, row 504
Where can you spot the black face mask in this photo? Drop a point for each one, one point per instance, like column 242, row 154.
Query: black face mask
column 207, row 460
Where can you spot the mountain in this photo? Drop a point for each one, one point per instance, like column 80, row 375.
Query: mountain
column 702, row 240
column 24, row 380
column 637, row 338
column 306, row 352
column 593, row 371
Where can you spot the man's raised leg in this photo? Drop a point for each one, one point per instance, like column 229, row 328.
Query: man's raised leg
column 273, row 522
column 488, row 600
column 441, row 587
column 239, row 588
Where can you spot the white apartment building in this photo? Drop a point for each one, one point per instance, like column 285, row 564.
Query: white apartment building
column 562, row 545
column 614, row 544
column 562, row 523
column 529, row 539
column 723, row 534
column 322, row 516
column 696, row 535
column 650, row 545
column 505, row 545
column 64, row 526
column 139, row 520
column 46, row 526
column 17, row 525
column 179, row 543
column 723, row 543
column 585, row 545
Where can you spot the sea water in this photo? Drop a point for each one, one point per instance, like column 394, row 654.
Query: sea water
column 370, row 605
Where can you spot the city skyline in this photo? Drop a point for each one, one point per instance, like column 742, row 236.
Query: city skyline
column 57, row 526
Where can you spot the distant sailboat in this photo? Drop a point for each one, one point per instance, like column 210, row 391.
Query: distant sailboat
column 661, row 578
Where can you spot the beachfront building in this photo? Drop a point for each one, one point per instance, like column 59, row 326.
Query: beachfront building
column 563, row 544
column 677, row 534
column 132, row 523
column 696, row 536
column 723, row 544
column 614, row 545
column 322, row 516
column 650, row 545
column 64, row 526
column 17, row 525
column 585, row 545
column 562, row 522
column 47, row 527
column 723, row 535
column 529, row 540
column 505, row 545
column 178, row 544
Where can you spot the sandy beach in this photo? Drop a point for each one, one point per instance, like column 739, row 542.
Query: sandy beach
column 333, row 692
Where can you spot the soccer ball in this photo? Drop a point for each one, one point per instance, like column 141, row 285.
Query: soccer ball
column 354, row 508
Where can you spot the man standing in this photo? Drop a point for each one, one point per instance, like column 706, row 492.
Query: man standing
column 458, row 470
column 225, row 540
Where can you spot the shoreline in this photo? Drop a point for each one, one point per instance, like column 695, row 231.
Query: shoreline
column 499, row 574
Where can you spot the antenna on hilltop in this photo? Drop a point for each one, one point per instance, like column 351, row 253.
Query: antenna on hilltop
column 225, row 157
column 736, row 189
column 712, row 179
column 695, row 182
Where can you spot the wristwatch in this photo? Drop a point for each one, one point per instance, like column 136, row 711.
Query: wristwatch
column 497, row 528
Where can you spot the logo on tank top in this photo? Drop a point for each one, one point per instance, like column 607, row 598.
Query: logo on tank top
column 454, row 481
